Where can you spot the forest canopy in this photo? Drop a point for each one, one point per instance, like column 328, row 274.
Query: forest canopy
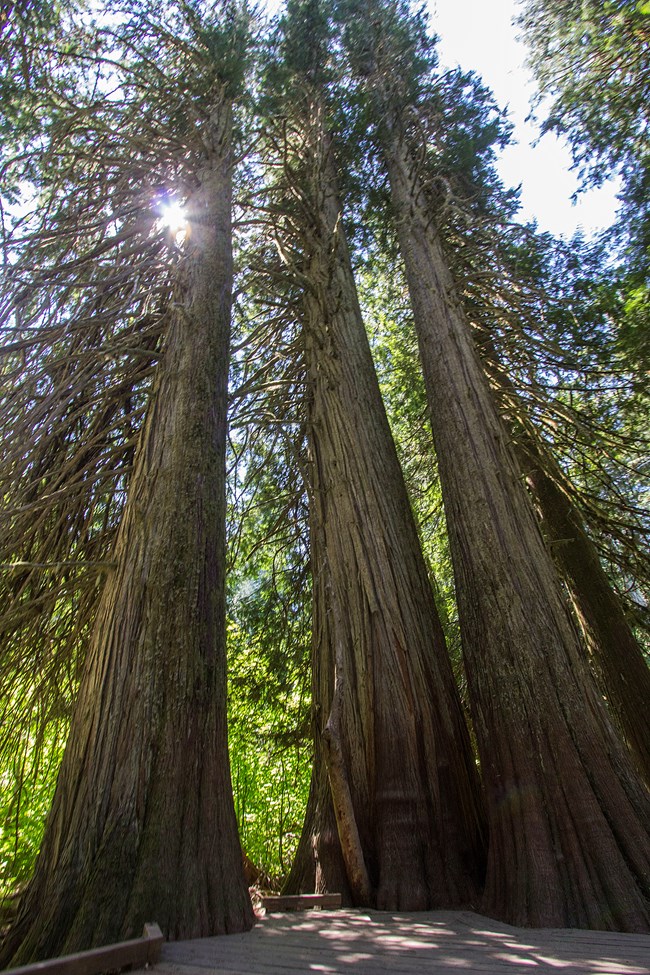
column 325, row 480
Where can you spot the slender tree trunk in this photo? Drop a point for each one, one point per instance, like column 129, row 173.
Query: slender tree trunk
column 616, row 654
column 319, row 864
column 403, row 788
column 142, row 826
column 568, row 816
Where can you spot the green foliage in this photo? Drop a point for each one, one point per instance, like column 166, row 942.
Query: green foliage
column 592, row 62
column 27, row 780
column 634, row 333
column 576, row 370
column 270, row 749
column 25, row 28
column 268, row 652
column 305, row 31
column 297, row 61
column 269, row 583
column 380, row 35
column 592, row 59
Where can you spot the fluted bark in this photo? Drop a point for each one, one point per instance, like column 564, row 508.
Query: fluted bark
column 387, row 712
column 568, row 816
column 142, row 826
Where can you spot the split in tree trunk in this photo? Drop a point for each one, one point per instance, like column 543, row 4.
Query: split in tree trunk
column 346, row 823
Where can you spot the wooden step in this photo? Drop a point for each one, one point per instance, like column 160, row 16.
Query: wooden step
column 301, row 902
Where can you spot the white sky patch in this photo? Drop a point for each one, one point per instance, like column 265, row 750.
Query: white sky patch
column 479, row 35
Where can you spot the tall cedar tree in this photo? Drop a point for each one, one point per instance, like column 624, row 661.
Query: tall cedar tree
column 394, row 815
column 568, row 816
column 142, row 824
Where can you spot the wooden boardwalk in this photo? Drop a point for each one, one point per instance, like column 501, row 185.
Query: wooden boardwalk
column 374, row 943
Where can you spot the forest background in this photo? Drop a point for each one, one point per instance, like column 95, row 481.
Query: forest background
column 562, row 327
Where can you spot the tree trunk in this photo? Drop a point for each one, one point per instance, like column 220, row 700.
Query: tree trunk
column 319, row 865
column 142, row 826
column 616, row 654
column 388, row 716
column 568, row 816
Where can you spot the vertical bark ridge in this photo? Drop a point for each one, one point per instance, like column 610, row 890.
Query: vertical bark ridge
column 404, row 740
column 142, row 825
column 616, row 655
column 568, row 817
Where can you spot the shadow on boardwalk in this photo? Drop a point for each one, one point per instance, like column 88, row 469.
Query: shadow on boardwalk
column 375, row 943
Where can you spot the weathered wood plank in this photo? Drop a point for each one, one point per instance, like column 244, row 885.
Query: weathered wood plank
column 277, row 959
column 436, row 943
column 301, row 902
column 108, row 958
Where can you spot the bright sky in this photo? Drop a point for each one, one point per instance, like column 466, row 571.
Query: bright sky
column 478, row 34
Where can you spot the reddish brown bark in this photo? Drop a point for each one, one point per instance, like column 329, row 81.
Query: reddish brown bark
column 383, row 677
column 319, row 865
column 616, row 654
column 568, row 816
column 142, row 825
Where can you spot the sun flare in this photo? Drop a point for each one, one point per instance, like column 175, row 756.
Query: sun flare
column 174, row 219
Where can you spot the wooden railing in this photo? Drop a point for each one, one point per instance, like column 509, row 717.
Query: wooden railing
column 110, row 958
